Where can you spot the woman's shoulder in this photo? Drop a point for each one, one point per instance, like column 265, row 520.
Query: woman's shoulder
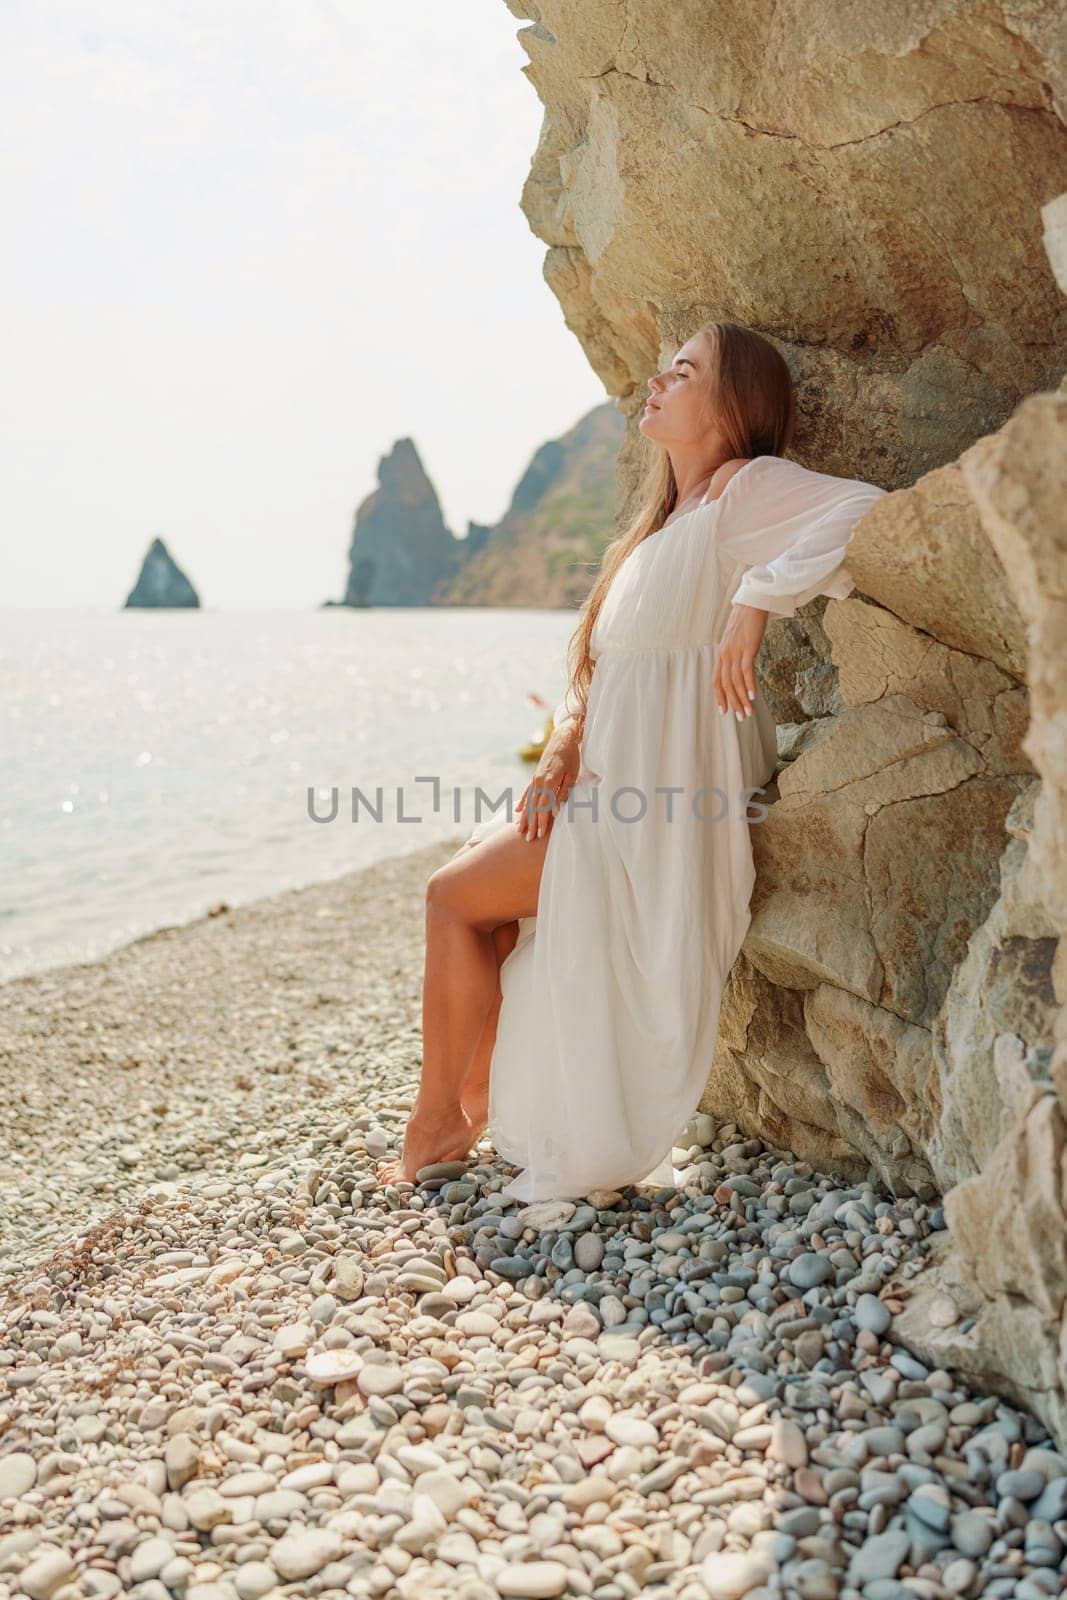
column 728, row 471
column 723, row 473
column 767, row 476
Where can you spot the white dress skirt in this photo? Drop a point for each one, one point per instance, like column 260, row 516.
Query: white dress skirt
column 611, row 996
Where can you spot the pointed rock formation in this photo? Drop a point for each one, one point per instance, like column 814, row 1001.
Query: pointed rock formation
column 544, row 551
column 401, row 549
column 161, row 584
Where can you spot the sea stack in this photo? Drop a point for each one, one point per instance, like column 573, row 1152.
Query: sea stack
column 401, row 549
column 161, row 583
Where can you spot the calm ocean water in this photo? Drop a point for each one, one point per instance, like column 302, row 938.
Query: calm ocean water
column 155, row 764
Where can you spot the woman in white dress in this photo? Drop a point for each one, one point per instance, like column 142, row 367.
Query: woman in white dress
column 576, row 958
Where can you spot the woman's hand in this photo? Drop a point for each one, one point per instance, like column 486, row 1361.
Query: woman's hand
column 734, row 677
column 556, row 773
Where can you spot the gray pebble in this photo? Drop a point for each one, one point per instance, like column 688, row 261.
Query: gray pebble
column 871, row 1314
column 879, row 1557
column 807, row 1270
column 589, row 1251
column 1022, row 1484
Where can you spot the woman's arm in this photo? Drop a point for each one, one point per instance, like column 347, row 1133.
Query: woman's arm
column 568, row 710
column 790, row 527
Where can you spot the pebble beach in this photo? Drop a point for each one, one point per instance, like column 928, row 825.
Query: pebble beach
column 234, row 1365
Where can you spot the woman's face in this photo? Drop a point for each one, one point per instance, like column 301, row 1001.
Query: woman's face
column 677, row 409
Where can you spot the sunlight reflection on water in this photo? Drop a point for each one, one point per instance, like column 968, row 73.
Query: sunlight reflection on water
column 157, row 763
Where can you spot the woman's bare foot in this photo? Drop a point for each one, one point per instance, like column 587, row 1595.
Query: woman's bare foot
column 474, row 1099
column 430, row 1137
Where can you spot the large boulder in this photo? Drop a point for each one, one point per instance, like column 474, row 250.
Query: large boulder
column 862, row 183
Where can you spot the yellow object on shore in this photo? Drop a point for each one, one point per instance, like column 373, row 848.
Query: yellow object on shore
column 535, row 749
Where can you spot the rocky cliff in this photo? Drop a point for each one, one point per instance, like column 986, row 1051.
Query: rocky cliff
column 543, row 552
column 546, row 548
column 870, row 192
column 161, row 584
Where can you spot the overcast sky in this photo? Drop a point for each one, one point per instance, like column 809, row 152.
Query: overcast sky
column 248, row 247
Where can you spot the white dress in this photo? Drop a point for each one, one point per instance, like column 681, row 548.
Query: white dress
column 611, row 996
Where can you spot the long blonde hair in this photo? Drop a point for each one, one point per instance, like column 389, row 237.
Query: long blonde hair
column 750, row 396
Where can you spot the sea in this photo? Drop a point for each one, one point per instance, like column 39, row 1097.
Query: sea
column 156, row 764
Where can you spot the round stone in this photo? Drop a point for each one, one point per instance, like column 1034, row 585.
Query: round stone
column 294, row 1338
column 460, row 1289
column 931, row 1504
column 805, row 1271
column 787, row 1443
column 581, row 1322
column 619, row 1347
column 379, row 1380
column 942, row 1312
column 871, row 1315
column 149, row 1559
column 958, row 1576
column 730, row 1574
column 254, row 1579
column 532, row 1580
column 45, row 1573
column 479, row 1323
column 588, row 1251
column 348, row 1278
column 879, row 1557
column 1024, row 1483
column 596, row 1412
column 18, row 1473
column 253, row 1481
column 972, row 1534
column 623, row 1428
column 206, row 1508
column 612, row 1311
column 448, row 1493
column 330, row 1366
column 304, row 1552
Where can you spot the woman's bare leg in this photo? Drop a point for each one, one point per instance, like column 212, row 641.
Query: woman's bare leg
column 474, row 1095
column 467, row 901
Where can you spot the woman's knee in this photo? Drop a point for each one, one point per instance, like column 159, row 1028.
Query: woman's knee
column 437, row 888
column 494, row 883
column 446, row 886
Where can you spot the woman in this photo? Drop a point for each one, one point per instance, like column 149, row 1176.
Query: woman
column 580, row 951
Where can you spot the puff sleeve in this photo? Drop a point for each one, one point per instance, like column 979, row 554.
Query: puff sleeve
column 790, row 527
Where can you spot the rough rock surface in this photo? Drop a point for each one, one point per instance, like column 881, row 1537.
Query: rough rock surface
column 862, row 184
